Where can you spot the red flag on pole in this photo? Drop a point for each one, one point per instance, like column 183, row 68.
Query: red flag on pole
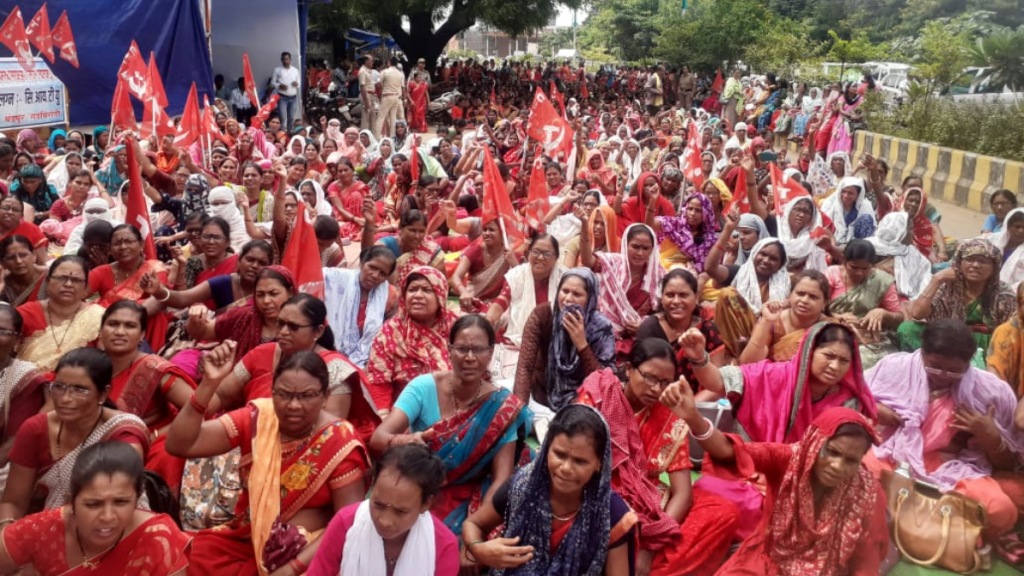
column 12, row 35
column 65, row 40
column 556, row 96
column 494, row 98
column 122, row 116
column 154, row 84
column 784, row 188
column 302, row 255
column 496, row 203
column 718, row 84
column 264, row 113
column 210, row 127
column 155, row 121
column 547, row 126
column 739, row 195
column 250, row 82
column 133, row 71
column 537, row 202
column 136, row 212
column 692, row 169
column 191, row 126
column 414, row 168
column 38, row 32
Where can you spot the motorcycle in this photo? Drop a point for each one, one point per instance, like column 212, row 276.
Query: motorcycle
column 334, row 105
column 437, row 109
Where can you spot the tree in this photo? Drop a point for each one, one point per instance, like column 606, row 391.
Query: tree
column 1003, row 54
column 943, row 56
column 432, row 23
column 711, row 33
column 781, row 47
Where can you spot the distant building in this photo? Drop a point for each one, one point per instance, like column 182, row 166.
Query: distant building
column 491, row 43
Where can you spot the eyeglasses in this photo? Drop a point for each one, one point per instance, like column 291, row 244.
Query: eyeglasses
column 67, row 279
column 211, row 237
column 7, row 333
column 19, row 256
column 16, row 209
column 944, row 374
column 979, row 261
column 124, row 242
column 654, row 382
column 291, row 326
column 542, row 254
column 74, row 391
column 303, row 398
column 476, row 351
column 193, row 232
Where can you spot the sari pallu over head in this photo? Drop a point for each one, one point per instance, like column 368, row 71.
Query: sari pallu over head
column 799, row 244
column 524, row 298
column 584, row 548
column 342, row 294
column 808, row 540
column 996, row 304
column 423, row 343
column 562, row 372
column 752, row 222
column 923, row 237
column 747, row 285
column 912, row 270
column 1012, row 270
column 843, row 220
column 631, row 473
column 467, row 442
column 899, row 381
column 776, row 404
column 616, row 280
column 676, row 229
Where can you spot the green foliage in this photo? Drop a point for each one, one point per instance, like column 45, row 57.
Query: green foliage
column 462, row 54
column 858, row 48
column 781, row 47
column 1003, row 53
column 942, row 56
column 713, row 33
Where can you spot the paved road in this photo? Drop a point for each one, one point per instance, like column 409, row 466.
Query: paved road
column 959, row 222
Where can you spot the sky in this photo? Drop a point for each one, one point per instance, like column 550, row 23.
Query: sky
column 565, row 17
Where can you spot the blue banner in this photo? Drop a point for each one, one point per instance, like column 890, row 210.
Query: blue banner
column 103, row 30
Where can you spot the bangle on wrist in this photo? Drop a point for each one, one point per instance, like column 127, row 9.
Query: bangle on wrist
column 469, row 551
column 707, row 433
column 197, row 405
column 697, row 364
column 297, row 565
column 7, row 521
column 167, row 296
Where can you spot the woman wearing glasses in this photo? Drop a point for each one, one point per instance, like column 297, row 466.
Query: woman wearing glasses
column 62, row 321
column 145, row 385
column 25, row 280
column 122, row 279
column 300, row 464
column 474, row 426
column 47, row 444
column 531, row 284
column 11, row 222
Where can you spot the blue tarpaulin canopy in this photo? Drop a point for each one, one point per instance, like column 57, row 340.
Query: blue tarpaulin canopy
column 364, row 40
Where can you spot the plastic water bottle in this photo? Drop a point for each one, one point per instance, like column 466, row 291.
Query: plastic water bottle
column 903, row 470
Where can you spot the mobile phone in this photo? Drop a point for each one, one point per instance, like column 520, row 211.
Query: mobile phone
column 767, row 156
column 573, row 309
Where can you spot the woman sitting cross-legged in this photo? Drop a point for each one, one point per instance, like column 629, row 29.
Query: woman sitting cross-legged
column 101, row 529
column 824, row 513
column 393, row 531
column 683, row 530
column 473, row 425
column 300, row 464
column 560, row 513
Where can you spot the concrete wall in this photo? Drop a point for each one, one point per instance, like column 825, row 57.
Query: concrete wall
column 962, row 178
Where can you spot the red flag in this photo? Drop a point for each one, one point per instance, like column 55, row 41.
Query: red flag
column 692, row 169
column 718, row 83
column 494, row 98
column 584, row 90
column 264, row 113
column 122, row 116
column 210, row 128
column 65, row 40
column 250, row 82
column 133, row 71
column 414, row 168
column 38, row 32
column 191, row 126
column 156, row 121
column 537, row 203
column 154, row 84
column 739, row 195
column 556, row 96
column 12, row 35
column 693, row 136
column 136, row 212
column 547, row 126
column 496, row 202
column 784, row 189
column 302, row 255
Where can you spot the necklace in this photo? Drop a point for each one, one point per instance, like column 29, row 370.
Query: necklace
column 60, row 430
column 391, row 560
column 94, row 562
column 455, row 400
column 67, row 330
column 565, row 518
column 824, row 394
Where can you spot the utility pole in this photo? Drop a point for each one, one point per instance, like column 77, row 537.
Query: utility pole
column 573, row 29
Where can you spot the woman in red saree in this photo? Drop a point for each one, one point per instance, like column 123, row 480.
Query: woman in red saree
column 644, row 195
column 683, row 530
column 122, row 279
column 915, row 204
column 140, row 542
column 419, row 97
column 144, row 384
column 310, row 465
column 479, row 277
column 414, row 341
column 824, row 513
column 599, row 175
column 346, row 194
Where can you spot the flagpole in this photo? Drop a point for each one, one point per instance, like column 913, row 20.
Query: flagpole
column 504, row 235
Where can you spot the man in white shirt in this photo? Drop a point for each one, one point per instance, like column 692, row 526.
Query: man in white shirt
column 367, row 94
column 286, row 82
column 392, row 98
column 239, row 101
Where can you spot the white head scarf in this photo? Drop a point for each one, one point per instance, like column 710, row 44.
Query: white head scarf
column 833, row 208
column 323, row 207
column 363, row 553
column 1012, row 271
column 60, row 177
column 753, row 222
column 746, row 283
column 632, row 165
column 230, row 213
column 90, row 213
column 800, row 245
column 913, row 270
column 288, row 149
column 373, row 141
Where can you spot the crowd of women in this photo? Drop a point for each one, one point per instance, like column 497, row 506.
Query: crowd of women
column 456, row 399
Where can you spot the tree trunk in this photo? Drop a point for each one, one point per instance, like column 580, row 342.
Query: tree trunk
column 422, row 41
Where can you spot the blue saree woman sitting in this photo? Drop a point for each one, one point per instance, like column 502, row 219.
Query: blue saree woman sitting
column 475, row 427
